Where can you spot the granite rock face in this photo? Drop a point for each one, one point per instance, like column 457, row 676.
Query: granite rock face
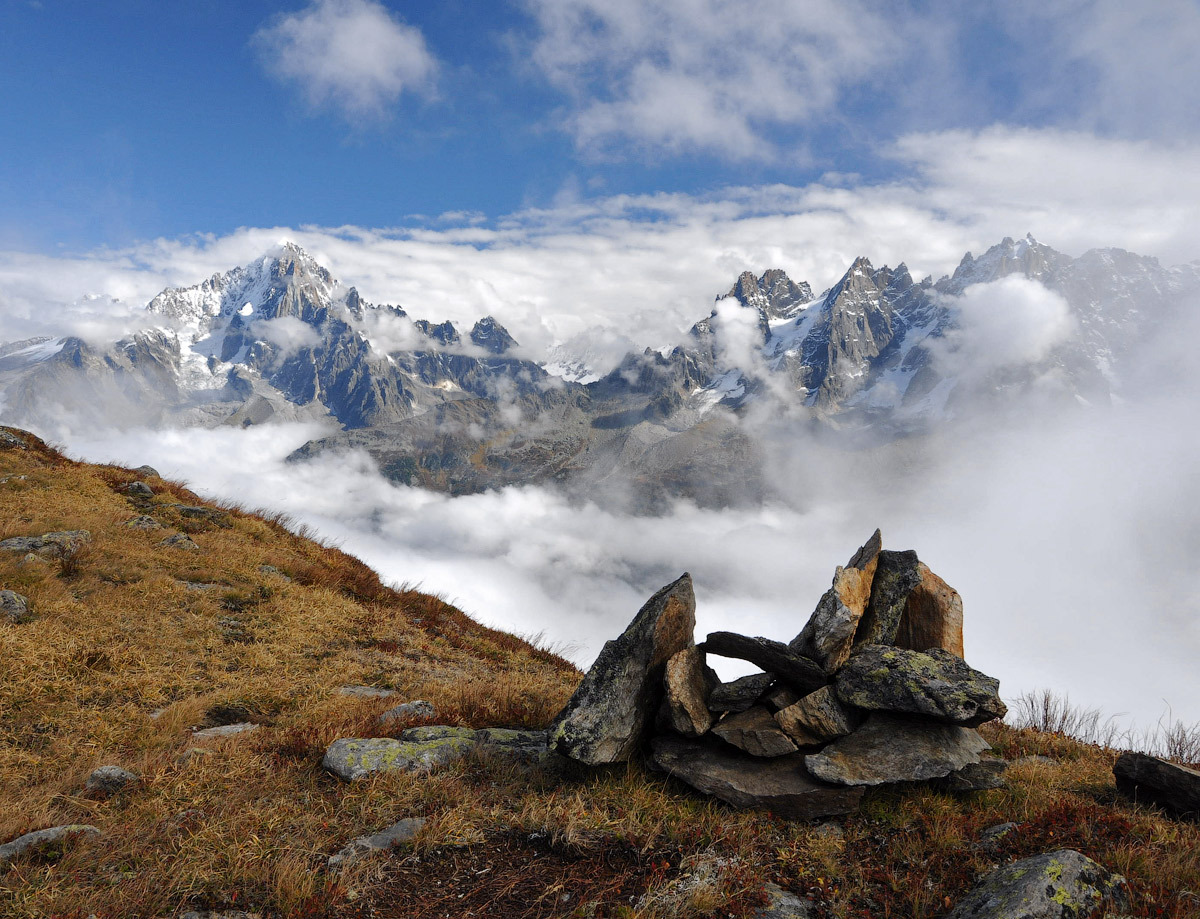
column 935, row 684
column 780, row 785
column 1057, row 885
column 892, row 748
column 1148, row 778
column 608, row 716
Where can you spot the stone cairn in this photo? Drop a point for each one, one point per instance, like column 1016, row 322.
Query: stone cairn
column 874, row 690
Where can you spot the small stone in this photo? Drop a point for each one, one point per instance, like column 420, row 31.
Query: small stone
column 819, row 717
column 687, row 687
column 272, row 571
column 990, row 839
column 935, row 684
column 418, row 708
column 892, row 748
column 180, row 541
column 108, row 780
column 1056, row 885
column 828, row 635
column 15, row 607
column 799, row 672
column 1157, row 781
column 783, row 904
column 740, row 694
column 607, row 718
column 366, row 692
column 143, row 522
column 756, row 732
column 222, row 731
column 395, row 835
column 45, row 842
column 137, row 490
column 780, row 785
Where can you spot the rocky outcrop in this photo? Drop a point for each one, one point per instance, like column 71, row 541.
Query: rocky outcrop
column 608, row 716
column 780, row 784
column 934, row 683
column 44, row 842
column 1057, row 885
column 1156, row 781
column 893, row 748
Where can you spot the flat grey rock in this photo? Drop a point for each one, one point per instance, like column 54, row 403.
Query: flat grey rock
column 137, row 490
column 42, row 841
column 354, row 758
column 1056, row 885
column 56, row 544
column 143, row 522
column 180, row 541
column 780, row 785
column 222, row 731
column 984, row 775
column 892, row 748
column 397, row 834
column 366, row 692
column 935, row 684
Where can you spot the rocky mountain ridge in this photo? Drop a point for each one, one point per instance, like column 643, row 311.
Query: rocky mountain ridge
column 878, row 354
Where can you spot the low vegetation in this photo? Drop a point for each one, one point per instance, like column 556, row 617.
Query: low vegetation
column 135, row 645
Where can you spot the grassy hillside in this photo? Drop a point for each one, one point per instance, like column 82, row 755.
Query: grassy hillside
column 136, row 644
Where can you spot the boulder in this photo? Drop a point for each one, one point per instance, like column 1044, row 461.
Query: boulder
column 54, row 545
column 933, row 683
column 1056, row 885
column 756, row 732
column 780, row 784
column 740, row 694
column 15, row 607
column 108, row 780
column 364, row 846
column 351, row 759
column 137, row 490
column 893, row 748
column 45, row 842
column 829, row 634
column 523, row 746
column 984, row 775
column 798, row 671
column 606, row 719
column 687, row 685
column 1157, row 781
column 896, row 575
column 933, row 616
column 147, row 472
column 817, row 718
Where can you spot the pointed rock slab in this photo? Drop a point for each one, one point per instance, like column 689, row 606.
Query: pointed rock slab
column 802, row 674
column 1148, row 778
column 933, row 683
column 896, row 576
column 817, row 718
column 829, row 634
column 740, row 694
column 933, row 616
column 606, row 720
column 687, row 687
column 780, row 785
column 889, row 748
column 1057, row 885
column 756, row 732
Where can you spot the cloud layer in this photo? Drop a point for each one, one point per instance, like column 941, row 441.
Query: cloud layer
column 351, row 56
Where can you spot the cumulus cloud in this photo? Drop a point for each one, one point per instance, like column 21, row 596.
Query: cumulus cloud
column 687, row 75
column 352, row 56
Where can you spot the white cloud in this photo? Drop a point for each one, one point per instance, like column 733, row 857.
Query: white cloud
column 685, row 75
column 352, row 56
column 287, row 333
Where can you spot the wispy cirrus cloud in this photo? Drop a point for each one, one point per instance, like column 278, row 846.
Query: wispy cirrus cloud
column 353, row 57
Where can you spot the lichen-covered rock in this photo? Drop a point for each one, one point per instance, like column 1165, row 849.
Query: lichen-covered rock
column 783, row 904
column 893, row 748
column 398, row 834
column 46, row 842
column 606, row 719
column 180, row 541
column 896, row 575
column 933, row 683
column 687, row 685
column 53, row 545
column 798, row 671
column 780, row 785
column 818, row 717
column 1056, row 885
column 527, row 747
column 756, row 732
column 933, row 616
column 352, row 758
column 143, row 522
column 829, row 633
column 108, row 780
column 15, row 607
column 740, row 694
column 1157, row 781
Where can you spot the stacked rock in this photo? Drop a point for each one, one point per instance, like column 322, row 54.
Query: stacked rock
column 872, row 691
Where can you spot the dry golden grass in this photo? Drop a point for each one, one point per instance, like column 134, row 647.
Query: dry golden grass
column 136, row 644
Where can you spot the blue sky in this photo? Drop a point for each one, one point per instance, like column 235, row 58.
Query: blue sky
column 134, row 119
